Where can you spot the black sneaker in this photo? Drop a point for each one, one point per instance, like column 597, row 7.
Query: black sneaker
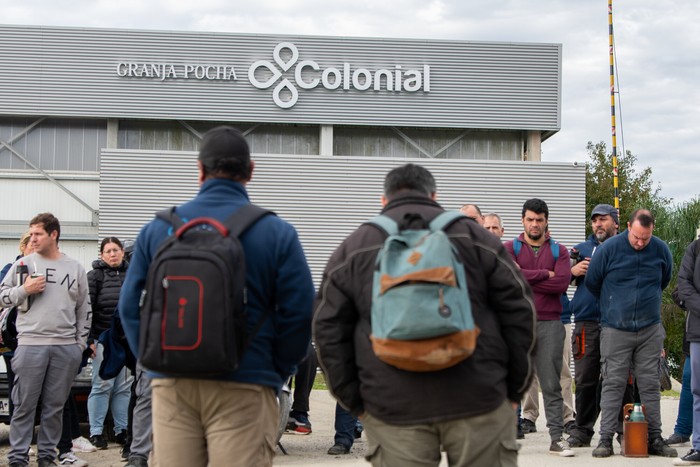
column 125, row 452
column 136, row 461
column 520, row 433
column 120, row 438
column 338, row 449
column 658, row 447
column 677, row 440
column 528, row 426
column 576, row 442
column 692, row 458
column 98, row 441
column 604, row 448
column 45, row 462
column 561, row 448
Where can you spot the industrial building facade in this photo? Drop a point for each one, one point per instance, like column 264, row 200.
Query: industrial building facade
column 101, row 127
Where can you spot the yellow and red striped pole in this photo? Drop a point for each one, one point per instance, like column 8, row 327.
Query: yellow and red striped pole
column 612, row 107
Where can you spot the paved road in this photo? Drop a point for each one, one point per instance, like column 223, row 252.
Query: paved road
column 311, row 449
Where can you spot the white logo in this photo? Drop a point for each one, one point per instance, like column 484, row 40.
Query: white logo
column 285, row 94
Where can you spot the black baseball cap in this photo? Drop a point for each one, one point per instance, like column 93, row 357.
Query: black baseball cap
column 223, row 142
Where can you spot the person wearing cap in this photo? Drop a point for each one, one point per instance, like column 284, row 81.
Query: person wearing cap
column 627, row 275
column 585, row 339
column 231, row 420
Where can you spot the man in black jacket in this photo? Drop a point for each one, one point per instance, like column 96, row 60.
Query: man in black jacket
column 689, row 292
column 468, row 408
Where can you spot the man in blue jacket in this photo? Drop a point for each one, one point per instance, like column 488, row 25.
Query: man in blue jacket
column 627, row 275
column 231, row 420
column 586, row 336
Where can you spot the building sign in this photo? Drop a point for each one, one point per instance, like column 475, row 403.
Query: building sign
column 293, row 74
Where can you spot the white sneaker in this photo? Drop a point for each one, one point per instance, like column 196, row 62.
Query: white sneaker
column 81, row 444
column 70, row 459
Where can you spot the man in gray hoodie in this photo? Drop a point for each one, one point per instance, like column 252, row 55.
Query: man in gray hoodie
column 52, row 335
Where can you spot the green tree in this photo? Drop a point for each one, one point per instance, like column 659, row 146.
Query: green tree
column 676, row 224
column 636, row 189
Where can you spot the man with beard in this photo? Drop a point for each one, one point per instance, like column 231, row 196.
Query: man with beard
column 586, row 337
column 549, row 278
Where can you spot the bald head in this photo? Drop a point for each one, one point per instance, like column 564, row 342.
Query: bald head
column 473, row 211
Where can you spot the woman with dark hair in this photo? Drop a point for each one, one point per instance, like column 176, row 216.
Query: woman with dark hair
column 105, row 281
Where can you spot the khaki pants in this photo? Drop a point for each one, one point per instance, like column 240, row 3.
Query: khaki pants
column 208, row 422
column 484, row 440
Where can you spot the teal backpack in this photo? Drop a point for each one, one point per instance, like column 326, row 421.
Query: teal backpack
column 421, row 313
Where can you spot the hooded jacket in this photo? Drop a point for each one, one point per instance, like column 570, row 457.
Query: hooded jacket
column 502, row 306
column 584, row 305
column 278, row 280
column 535, row 268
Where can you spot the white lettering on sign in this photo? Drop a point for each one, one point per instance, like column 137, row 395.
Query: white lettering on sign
column 163, row 71
column 308, row 74
column 303, row 74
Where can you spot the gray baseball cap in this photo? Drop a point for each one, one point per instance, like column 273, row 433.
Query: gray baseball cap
column 606, row 210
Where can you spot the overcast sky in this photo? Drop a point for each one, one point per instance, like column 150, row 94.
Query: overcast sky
column 657, row 51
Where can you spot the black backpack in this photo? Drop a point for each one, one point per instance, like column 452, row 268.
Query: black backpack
column 193, row 311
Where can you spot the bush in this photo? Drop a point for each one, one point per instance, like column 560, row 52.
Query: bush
column 673, row 320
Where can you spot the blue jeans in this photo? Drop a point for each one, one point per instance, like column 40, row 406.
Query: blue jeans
column 684, row 421
column 344, row 427
column 695, row 386
column 117, row 390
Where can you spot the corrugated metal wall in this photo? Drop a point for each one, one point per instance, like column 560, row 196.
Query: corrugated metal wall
column 54, row 144
column 326, row 198
column 73, row 72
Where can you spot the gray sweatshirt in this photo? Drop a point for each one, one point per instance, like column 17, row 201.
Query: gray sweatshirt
column 61, row 314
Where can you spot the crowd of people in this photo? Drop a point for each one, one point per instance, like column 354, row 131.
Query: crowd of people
column 473, row 410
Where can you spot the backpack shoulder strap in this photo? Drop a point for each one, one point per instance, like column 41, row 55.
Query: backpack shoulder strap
column 444, row 220
column 169, row 216
column 554, row 245
column 385, row 223
column 244, row 217
column 517, row 245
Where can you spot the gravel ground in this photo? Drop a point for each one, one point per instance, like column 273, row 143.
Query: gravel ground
column 302, row 449
column 311, row 449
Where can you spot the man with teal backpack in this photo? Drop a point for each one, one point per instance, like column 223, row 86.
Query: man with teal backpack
column 425, row 330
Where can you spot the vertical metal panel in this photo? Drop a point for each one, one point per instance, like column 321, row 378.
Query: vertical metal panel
column 54, row 144
column 326, row 198
column 73, row 72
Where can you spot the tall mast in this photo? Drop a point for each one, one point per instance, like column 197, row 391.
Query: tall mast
column 612, row 107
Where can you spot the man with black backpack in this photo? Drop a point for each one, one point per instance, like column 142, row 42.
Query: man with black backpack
column 413, row 399
column 224, row 316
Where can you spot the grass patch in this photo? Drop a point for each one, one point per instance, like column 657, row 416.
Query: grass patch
column 320, row 381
